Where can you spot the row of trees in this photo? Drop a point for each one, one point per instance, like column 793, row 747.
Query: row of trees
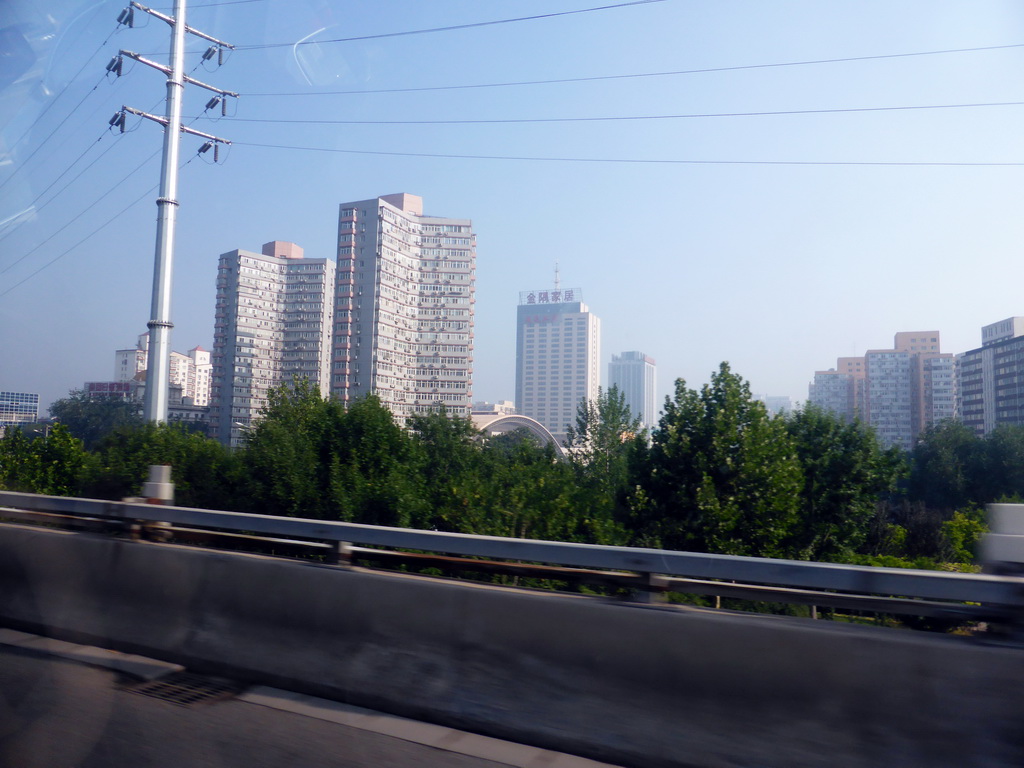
column 719, row 474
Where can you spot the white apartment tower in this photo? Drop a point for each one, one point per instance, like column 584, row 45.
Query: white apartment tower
column 404, row 305
column 272, row 326
column 634, row 374
column 558, row 353
column 189, row 371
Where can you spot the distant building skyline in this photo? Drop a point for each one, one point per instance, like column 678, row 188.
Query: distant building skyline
column 635, row 376
column 776, row 404
column 898, row 391
column 558, row 356
column 191, row 371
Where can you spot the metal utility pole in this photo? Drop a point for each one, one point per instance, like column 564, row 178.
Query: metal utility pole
column 158, row 362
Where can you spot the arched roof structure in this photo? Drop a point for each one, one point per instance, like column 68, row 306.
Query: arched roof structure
column 498, row 424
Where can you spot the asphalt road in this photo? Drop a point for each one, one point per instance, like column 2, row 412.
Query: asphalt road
column 63, row 706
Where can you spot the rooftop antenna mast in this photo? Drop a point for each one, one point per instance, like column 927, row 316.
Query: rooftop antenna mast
column 558, row 281
column 158, row 364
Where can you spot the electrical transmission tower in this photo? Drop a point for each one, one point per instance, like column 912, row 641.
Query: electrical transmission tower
column 159, row 358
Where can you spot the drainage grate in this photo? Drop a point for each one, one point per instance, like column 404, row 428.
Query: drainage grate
column 187, row 688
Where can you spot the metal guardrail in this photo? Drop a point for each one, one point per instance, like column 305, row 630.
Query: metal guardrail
column 905, row 591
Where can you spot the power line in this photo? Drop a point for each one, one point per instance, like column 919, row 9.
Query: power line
column 211, row 5
column 102, row 226
column 41, row 144
column 59, row 192
column 92, row 234
column 448, row 28
column 637, row 160
column 841, row 110
column 60, row 93
column 80, row 214
column 703, row 70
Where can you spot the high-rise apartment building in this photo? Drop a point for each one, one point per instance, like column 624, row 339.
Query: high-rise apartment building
column 558, row 352
column 842, row 390
column 933, row 379
column 990, row 379
column 898, row 391
column 888, row 381
column 404, row 306
column 129, row 363
column 634, row 373
column 272, row 326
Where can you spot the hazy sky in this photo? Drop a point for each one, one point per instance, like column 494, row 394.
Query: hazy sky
column 774, row 241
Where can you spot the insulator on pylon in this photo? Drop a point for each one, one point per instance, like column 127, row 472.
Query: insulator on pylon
column 118, row 121
column 210, row 53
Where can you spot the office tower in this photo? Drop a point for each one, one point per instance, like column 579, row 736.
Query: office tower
column 404, row 303
column 558, row 349
column 18, row 408
column 898, row 391
column 634, row 374
column 272, row 326
column 990, row 379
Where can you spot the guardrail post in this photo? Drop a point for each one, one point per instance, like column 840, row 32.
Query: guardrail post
column 158, row 489
column 340, row 554
column 653, row 589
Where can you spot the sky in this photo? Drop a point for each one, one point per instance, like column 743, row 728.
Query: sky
column 886, row 197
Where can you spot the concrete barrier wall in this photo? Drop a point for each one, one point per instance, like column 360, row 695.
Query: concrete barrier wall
column 638, row 685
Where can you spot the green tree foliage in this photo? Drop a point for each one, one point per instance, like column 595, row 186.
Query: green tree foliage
column 312, row 457
column 1000, row 469
column 946, row 467
column 450, row 461
column 845, row 473
column 52, row 464
column 89, row 420
column 719, row 475
column 954, row 474
column 205, row 473
column 962, row 533
column 534, row 495
column 601, row 444
column 722, row 475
